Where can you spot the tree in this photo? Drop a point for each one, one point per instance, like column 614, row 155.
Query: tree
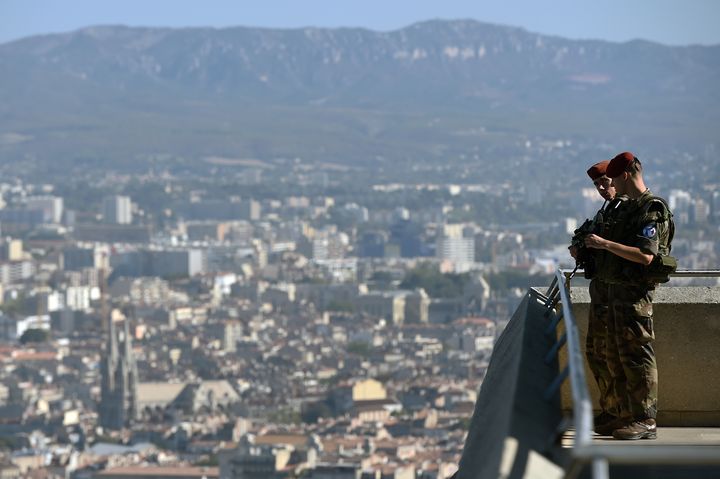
column 341, row 306
column 34, row 336
column 208, row 461
column 13, row 306
column 313, row 411
column 360, row 348
column 285, row 416
column 504, row 280
column 435, row 283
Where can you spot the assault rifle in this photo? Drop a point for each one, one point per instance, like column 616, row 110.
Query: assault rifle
column 584, row 258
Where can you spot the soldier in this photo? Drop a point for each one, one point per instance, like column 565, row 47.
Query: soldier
column 595, row 341
column 634, row 243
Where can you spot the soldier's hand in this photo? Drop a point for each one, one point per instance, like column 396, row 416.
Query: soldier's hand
column 594, row 241
column 573, row 251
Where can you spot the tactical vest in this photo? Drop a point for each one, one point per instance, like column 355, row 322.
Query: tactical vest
column 605, row 227
column 624, row 227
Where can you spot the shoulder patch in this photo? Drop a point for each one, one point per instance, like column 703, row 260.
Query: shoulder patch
column 650, row 231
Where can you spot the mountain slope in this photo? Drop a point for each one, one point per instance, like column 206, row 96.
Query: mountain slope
column 346, row 94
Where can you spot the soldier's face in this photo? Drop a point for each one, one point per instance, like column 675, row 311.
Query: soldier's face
column 604, row 186
column 620, row 183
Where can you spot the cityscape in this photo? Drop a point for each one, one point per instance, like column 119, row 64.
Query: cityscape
column 273, row 315
column 271, row 334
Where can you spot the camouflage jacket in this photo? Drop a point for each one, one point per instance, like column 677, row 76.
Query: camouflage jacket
column 644, row 222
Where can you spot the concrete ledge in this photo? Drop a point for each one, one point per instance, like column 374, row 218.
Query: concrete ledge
column 687, row 345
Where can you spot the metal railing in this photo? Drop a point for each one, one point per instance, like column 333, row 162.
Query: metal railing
column 583, row 450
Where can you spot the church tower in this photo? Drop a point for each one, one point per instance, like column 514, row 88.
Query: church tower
column 118, row 403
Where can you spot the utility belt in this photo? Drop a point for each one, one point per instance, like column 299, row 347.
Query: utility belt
column 627, row 282
column 626, row 272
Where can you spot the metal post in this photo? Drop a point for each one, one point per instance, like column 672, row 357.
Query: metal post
column 555, row 385
column 552, row 287
column 600, row 468
column 555, row 348
column 552, row 326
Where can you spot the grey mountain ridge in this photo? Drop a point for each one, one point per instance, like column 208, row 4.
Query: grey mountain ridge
column 361, row 84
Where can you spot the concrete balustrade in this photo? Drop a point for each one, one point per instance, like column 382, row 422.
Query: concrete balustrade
column 687, row 346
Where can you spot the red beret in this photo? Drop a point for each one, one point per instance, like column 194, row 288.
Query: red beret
column 598, row 169
column 619, row 164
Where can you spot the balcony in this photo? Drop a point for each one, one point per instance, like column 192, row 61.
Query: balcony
column 530, row 421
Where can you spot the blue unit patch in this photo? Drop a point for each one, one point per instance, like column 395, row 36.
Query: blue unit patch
column 650, row 231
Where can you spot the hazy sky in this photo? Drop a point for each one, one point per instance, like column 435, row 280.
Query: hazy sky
column 673, row 22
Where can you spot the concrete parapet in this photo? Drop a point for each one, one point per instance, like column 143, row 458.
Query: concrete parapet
column 687, row 346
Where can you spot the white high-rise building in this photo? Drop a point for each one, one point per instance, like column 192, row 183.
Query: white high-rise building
column 117, row 210
column 701, row 211
column 328, row 245
column 459, row 250
column 456, row 243
column 680, row 203
column 715, row 206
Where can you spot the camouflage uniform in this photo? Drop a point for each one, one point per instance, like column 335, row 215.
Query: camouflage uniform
column 596, row 345
column 596, row 339
column 643, row 222
column 630, row 355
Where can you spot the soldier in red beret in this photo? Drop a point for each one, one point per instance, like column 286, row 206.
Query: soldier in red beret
column 595, row 342
column 634, row 244
column 621, row 164
column 602, row 182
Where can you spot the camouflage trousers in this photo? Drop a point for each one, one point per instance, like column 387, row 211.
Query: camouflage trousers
column 596, row 345
column 630, row 356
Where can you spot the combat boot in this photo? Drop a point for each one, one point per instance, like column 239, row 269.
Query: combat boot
column 605, row 423
column 643, row 429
